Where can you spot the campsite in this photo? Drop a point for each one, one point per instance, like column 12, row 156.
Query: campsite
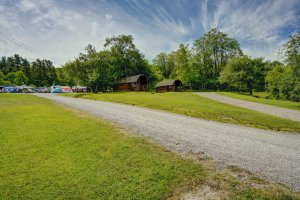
column 189, row 100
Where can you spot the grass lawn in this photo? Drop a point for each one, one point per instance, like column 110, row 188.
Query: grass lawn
column 196, row 106
column 260, row 97
column 50, row 152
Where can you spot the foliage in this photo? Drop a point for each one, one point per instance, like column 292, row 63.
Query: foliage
column 42, row 73
column 163, row 65
column 38, row 73
column 213, row 62
column 184, row 70
column 1, row 78
column 199, row 66
column 20, row 78
column 211, row 53
column 244, row 73
column 126, row 58
column 193, row 105
column 283, row 82
column 10, row 77
column 100, row 70
column 292, row 53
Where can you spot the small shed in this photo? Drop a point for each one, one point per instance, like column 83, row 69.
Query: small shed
column 169, row 86
column 132, row 83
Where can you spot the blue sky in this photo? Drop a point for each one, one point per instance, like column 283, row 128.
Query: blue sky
column 59, row 30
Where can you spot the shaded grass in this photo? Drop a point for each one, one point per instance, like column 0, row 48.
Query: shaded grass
column 262, row 97
column 196, row 106
column 50, row 152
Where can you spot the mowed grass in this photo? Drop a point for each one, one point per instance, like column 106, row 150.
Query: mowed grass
column 50, row 152
column 47, row 152
column 260, row 97
column 196, row 106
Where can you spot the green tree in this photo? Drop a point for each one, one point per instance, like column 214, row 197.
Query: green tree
column 282, row 82
column 184, row 68
column 20, row 78
column 211, row 53
column 100, row 70
column 163, row 65
column 292, row 53
column 10, row 77
column 42, row 73
column 273, row 80
column 126, row 58
column 79, row 70
column 1, row 78
column 243, row 73
column 101, row 76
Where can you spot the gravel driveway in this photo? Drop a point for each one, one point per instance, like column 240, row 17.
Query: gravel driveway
column 263, row 108
column 270, row 154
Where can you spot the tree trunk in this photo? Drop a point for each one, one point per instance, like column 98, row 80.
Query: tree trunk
column 250, row 87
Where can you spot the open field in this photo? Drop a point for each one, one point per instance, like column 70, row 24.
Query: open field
column 48, row 152
column 52, row 152
column 196, row 106
column 260, row 97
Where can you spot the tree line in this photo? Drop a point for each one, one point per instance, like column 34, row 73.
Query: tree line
column 213, row 62
column 16, row 70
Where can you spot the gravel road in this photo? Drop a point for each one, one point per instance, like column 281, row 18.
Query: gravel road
column 263, row 108
column 273, row 155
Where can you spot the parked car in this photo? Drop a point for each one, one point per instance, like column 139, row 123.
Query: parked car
column 80, row 88
column 26, row 89
column 42, row 90
column 11, row 89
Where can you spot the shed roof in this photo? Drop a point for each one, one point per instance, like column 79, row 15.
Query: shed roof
column 166, row 83
column 130, row 79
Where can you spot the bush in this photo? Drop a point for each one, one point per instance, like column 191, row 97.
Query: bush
column 283, row 82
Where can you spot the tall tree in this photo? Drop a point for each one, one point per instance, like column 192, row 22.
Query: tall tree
column 184, row 68
column 163, row 65
column 212, row 51
column 126, row 58
column 292, row 53
column 1, row 78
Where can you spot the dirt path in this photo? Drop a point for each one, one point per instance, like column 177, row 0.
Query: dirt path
column 263, row 108
column 270, row 154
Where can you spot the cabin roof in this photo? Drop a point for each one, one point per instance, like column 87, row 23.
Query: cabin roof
column 130, row 79
column 166, row 83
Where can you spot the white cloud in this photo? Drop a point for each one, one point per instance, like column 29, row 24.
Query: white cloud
column 27, row 5
column 259, row 25
column 61, row 31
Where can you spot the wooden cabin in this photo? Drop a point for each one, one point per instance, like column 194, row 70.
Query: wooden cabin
column 132, row 83
column 169, row 86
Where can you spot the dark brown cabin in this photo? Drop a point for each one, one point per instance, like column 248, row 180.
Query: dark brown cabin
column 169, row 86
column 132, row 83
